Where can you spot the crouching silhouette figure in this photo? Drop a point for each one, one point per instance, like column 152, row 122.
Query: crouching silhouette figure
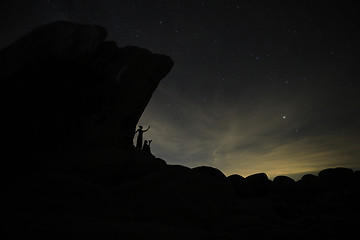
column 140, row 137
column 146, row 147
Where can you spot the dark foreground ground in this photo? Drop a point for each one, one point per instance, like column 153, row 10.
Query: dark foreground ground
column 175, row 202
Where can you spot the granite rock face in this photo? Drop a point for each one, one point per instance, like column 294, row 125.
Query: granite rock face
column 339, row 176
column 66, row 89
column 283, row 185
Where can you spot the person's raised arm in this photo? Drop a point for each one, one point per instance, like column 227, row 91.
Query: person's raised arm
column 147, row 129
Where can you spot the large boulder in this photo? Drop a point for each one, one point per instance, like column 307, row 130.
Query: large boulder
column 336, row 177
column 71, row 102
column 309, row 184
column 357, row 178
column 178, row 195
column 111, row 165
column 210, row 171
column 237, row 182
column 256, row 185
column 284, row 185
column 67, row 90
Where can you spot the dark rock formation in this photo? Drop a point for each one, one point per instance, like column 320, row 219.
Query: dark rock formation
column 176, row 195
column 210, row 171
column 336, row 177
column 71, row 102
column 309, row 184
column 252, row 186
column 68, row 91
column 309, row 179
column 237, row 182
column 257, row 184
column 357, row 177
column 284, row 185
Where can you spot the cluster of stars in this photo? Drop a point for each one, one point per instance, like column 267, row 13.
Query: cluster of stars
column 239, row 50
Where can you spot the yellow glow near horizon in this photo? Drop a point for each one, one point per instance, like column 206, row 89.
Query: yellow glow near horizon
column 235, row 142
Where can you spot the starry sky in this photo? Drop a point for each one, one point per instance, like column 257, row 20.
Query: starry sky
column 257, row 86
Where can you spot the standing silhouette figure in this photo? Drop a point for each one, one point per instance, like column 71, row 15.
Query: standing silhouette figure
column 146, row 147
column 139, row 139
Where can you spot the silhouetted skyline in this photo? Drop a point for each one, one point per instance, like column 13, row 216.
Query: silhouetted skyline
column 266, row 86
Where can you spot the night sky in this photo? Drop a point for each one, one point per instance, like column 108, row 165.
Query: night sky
column 257, row 86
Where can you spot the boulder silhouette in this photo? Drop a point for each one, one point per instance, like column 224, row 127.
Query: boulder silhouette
column 210, row 171
column 68, row 91
column 257, row 185
column 178, row 195
column 309, row 179
column 309, row 184
column 357, row 178
column 237, row 182
column 70, row 108
column 111, row 165
column 284, row 185
column 336, row 177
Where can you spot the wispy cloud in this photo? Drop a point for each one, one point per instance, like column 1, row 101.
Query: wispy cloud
column 247, row 140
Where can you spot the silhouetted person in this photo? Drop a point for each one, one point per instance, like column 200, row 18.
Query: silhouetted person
column 146, row 147
column 140, row 137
